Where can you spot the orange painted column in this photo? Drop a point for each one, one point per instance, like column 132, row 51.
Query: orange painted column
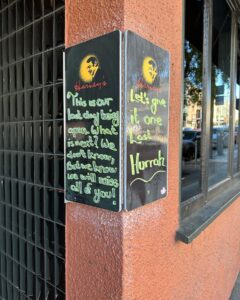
column 134, row 255
column 94, row 254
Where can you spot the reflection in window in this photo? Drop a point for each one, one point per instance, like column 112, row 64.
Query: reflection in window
column 192, row 111
column 220, row 96
column 236, row 152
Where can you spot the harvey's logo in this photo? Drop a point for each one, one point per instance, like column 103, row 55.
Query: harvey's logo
column 90, row 74
column 150, row 74
column 149, row 69
column 88, row 68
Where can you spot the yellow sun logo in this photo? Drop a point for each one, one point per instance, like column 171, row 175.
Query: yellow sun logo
column 149, row 69
column 88, row 68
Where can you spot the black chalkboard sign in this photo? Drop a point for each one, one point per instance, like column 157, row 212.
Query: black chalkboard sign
column 92, row 122
column 146, row 133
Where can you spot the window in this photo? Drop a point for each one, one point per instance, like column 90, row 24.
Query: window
column 210, row 126
column 220, row 93
column 192, row 122
column 236, row 154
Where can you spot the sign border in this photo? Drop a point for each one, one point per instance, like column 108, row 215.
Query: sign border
column 125, row 119
column 120, row 123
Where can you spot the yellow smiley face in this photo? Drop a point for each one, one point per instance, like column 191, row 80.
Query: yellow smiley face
column 88, row 68
column 149, row 69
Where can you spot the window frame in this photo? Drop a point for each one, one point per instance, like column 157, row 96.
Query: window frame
column 193, row 204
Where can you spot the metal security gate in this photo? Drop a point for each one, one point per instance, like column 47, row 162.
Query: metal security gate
column 31, row 150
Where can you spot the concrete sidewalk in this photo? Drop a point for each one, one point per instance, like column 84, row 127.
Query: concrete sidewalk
column 236, row 290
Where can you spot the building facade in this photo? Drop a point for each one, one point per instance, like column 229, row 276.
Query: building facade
column 185, row 246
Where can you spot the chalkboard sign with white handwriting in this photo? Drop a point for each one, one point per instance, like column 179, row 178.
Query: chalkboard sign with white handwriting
column 92, row 122
column 146, row 134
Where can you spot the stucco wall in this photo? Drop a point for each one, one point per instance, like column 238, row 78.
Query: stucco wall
column 134, row 255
